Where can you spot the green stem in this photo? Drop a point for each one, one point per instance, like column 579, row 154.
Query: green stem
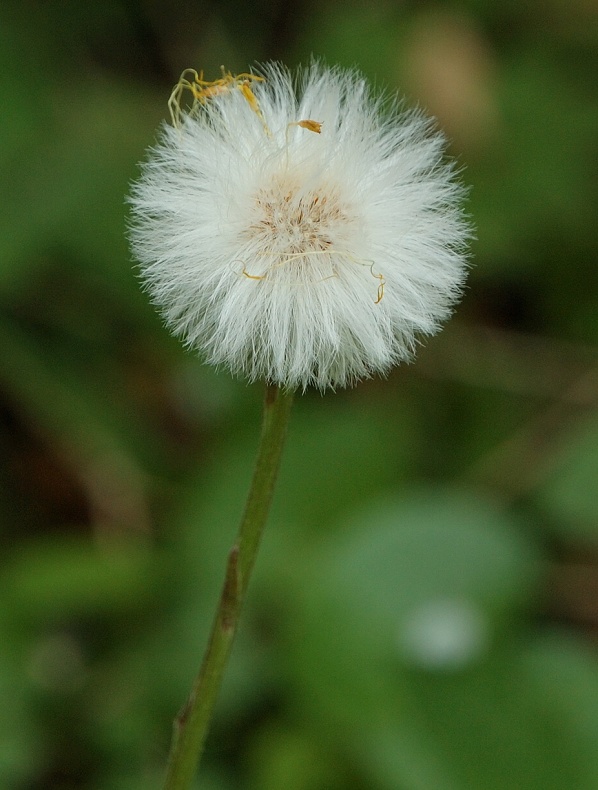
column 191, row 725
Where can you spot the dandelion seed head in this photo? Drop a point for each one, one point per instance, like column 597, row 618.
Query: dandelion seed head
column 300, row 230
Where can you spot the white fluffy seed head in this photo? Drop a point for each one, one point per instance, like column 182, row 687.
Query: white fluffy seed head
column 293, row 252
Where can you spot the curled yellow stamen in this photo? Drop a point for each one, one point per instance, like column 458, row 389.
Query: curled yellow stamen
column 253, row 276
column 312, row 126
column 380, row 287
column 249, row 96
column 204, row 90
column 295, row 255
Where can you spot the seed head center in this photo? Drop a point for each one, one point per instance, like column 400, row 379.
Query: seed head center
column 294, row 221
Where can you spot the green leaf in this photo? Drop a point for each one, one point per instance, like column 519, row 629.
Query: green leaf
column 407, row 623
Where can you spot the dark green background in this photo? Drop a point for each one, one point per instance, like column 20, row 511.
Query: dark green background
column 425, row 608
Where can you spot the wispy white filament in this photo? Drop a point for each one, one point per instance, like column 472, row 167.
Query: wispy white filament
column 294, row 255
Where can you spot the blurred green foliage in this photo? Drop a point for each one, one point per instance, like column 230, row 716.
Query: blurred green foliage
column 425, row 609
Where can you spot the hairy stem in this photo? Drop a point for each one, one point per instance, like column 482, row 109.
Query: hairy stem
column 192, row 723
